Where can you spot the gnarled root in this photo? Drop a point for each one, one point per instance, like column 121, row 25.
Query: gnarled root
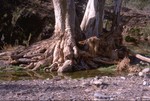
column 61, row 54
column 52, row 67
column 67, row 66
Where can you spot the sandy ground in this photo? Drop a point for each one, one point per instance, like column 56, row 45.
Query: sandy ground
column 130, row 87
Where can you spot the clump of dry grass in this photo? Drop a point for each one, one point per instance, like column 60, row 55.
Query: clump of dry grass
column 9, row 47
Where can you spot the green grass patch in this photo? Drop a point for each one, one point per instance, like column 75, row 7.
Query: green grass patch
column 109, row 69
column 17, row 68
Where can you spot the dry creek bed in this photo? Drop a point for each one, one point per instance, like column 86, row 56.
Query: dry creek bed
column 130, row 87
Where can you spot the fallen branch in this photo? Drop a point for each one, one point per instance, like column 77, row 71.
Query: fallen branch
column 143, row 58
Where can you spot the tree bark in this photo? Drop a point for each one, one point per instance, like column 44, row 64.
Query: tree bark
column 65, row 50
column 60, row 50
column 116, row 17
column 92, row 22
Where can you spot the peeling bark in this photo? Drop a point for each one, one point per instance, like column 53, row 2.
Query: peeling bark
column 92, row 22
column 65, row 47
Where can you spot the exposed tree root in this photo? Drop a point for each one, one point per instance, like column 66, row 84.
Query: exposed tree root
column 62, row 55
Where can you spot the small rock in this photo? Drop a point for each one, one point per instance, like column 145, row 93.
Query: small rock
column 146, row 70
column 141, row 74
column 131, row 74
column 97, row 83
column 123, row 78
column 98, row 95
column 146, row 98
column 144, row 83
column 43, row 82
column 47, row 79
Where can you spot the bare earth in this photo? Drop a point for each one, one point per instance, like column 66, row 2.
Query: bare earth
column 131, row 87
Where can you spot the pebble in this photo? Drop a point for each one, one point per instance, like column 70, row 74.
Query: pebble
column 131, row 74
column 97, row 82
column 43, row 82
column 141, row 74
column 145, row 83
column 48, row 79
column 98, row 95
column 146, row 70
column 123, row 78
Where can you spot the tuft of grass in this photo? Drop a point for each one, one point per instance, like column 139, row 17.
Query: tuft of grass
column 109, row 69
column 17, row 68
column 7, row 47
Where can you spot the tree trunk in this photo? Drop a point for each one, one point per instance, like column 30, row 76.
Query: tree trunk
column 60, row 50
column 65, row 50
column 116, row 17
column 92, row 22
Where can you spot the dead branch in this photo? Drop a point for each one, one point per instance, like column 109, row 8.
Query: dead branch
column 143, row 58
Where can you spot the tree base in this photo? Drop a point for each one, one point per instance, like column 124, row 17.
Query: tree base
column 59, row 54
column 62, row 55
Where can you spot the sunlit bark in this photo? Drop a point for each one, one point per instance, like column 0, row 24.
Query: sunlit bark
column 92, row 22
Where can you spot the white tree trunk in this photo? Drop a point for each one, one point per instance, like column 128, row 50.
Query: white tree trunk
column 65, row 49
column 92, row 22
column 64, row 15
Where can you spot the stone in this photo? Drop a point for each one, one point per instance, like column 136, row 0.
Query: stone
column 98, row 95
column 123, row 78
column 141, row 74
column 97, row 83
column 144, row 83
column 146, row 70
